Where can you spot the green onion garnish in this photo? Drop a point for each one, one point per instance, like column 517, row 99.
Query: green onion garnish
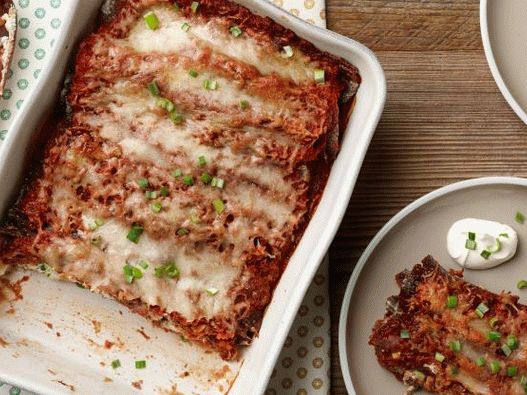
column 97, row 223
column 131, row 273
column 176, row 117
column 405, row 334
column 206, row 178
column 219, row 206
column 471, row 236
column 210, row 85
column 494, row 336
column 505, row 235
column 182, row 232
column 135, row 233
column 169, row 269
column 512, row 342
column 512, row 371
column 287, row 52
column 439, row 357
column 194, row 219
column 166, row 104
column 481, row 310
column 163, row 191
column 194, row 6
column 212, row 291
column 523, row 380
column 455, row 345
column 151, row 195
column 496, row 247
column 451, row 301
column 202, row 161
column 480, row 361
column 419, row 375
column 485, row 254
column 244, row 104
column 470, row 245
column 236, row 31
column 522, row 284
column 151, row 20
column 143, row 183
column 495, row 367
column 188, row 180
column 116, row 364
column 217, row 182
column 493, row 321
column 140, row 364
column 185, row 27
column 144, row 264
column 156, row 207
column 177, row 173
column 454, row 370
column 153, row 88
column 506, row 350
column 520, row 218
column 320, row 76
column 193, row 73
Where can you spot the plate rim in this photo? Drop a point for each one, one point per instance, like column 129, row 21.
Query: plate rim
column 491, row 61
column 361, row 263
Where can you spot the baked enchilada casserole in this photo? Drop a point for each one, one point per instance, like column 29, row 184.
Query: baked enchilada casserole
column 193, row 149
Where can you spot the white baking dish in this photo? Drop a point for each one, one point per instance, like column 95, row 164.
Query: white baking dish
column 76, row 357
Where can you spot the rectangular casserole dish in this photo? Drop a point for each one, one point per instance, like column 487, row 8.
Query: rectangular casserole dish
column 87, row 314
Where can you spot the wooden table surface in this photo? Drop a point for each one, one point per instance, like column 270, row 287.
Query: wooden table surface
column 444, row 121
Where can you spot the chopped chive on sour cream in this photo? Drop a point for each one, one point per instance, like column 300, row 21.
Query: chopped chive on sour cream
column 151, row 20
column 236, row 31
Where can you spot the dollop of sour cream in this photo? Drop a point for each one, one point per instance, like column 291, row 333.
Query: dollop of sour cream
column 481, row 244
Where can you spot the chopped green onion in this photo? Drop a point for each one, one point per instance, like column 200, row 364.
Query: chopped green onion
column 177, row 173
column 140, row 364
column 494, row 336
column 193, row 73
column 176, row 117
column 512, row 342
column 451, row 301
column 244, row 104
column 131, row 273
column 496, row 247
column 522, row 284
column 212, row 291
column 439, row 357
column 505, row 235
column 194, row 6
column 151, row 20
column 470, row 245
column 163, row 191
column 116, row 364
column 210, row 85
column 419, row 375
column 188, row 180
column 153, row 88
column 135, row 233
column 219, row 206
column 454, row 370
column 455, row 345
column 493, row 321
column 471, row 236
column 480, row 361
column 287, row 52
column 506, row 350
column 182, row 232
column 202, row 161
column 320, row 76
column 97, row 223
column 169, row 269
column 96, row 241
column 512, row 371
column 236, row 31
column 150, row 195
column 495, row 367
column 485, row 254
column 144, row 264
column 481, row 310
column 156, row 207
column 206, row 178
column 185, row 27
column 523, row 380
column 143, row 183
column 520, row 218
column 217, row 182
column 405, row 334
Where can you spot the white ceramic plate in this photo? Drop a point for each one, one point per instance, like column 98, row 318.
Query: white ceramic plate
column 504, row 33
column 418, row 230
column 85, row 321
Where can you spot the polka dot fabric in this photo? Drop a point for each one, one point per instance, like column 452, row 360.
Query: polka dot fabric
column 304, row 364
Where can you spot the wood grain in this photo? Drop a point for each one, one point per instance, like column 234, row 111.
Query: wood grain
column 444, row 121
